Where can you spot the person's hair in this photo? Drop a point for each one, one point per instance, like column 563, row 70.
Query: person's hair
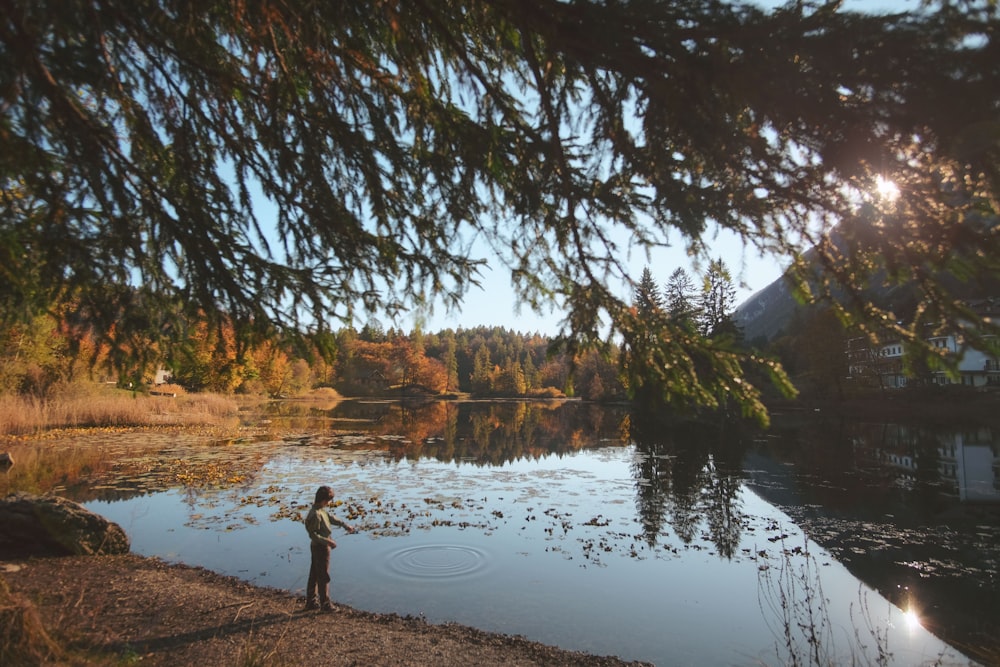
column 324, row 493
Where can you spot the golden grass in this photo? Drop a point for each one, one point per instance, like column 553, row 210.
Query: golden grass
column 25, row 640
column 23, row 637
column 107, row 407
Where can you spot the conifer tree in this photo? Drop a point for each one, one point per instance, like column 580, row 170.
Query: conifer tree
column 647, row 299
column 680, row 297
column 450, row 362
column 482, row 372
column 717, row 301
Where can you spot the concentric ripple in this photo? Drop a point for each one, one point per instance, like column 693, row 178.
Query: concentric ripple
column 437, row 561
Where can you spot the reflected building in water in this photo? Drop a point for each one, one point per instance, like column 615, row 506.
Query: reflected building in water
column 967, row 461
column 910, row 509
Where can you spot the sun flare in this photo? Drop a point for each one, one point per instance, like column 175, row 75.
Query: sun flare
column 886, row 188
column 911, row 619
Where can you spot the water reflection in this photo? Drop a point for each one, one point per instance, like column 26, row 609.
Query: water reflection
column 891, row 501
column 481, row 433
column 961, row 461
column 687, row 472
column 532, row 492
column 911, row 509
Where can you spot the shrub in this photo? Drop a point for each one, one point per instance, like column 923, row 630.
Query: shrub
column 546, row 392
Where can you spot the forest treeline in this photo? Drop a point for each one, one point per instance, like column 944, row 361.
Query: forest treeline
column 53, row 351
column 50, row 352
column 57, row 349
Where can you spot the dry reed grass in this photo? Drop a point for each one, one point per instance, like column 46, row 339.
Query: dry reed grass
column 108, row 407
column 23, row 637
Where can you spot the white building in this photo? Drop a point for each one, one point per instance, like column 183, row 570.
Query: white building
column 883, row 365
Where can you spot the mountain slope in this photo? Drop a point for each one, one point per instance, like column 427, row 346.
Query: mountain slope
column 767, row 312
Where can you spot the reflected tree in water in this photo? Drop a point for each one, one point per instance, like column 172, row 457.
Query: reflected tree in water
column 652, row 470
column 722, row 493
column 688, row 476
column 688, row 473
column 482, row 433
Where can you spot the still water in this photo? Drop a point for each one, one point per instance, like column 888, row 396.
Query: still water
column 598, row 530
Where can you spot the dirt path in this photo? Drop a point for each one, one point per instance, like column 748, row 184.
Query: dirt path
column 141, row 609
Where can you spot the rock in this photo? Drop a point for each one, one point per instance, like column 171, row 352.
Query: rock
column 49, row 525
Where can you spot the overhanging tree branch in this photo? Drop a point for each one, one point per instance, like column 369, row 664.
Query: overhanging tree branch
column 154, row 139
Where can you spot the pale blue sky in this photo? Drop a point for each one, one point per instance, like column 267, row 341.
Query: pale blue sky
column 495, row 303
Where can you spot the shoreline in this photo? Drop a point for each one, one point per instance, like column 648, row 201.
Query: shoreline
column 929, row 407
column 132, row 608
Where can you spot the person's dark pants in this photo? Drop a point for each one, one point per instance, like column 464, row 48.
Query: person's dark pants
column 317, row 588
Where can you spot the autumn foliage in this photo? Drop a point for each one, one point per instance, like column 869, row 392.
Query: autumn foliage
column 50, row 354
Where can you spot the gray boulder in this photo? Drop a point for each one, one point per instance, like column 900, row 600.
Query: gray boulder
column 33, row 525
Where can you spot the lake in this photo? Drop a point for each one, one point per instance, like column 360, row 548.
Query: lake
column 586, row 527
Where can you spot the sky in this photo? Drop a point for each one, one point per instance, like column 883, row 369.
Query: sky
column 495, row 304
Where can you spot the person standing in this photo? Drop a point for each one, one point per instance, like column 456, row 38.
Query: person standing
column 319, row 524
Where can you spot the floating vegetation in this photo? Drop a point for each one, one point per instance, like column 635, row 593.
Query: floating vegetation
column 215, row 473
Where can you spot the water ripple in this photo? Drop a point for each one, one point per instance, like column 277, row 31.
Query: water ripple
column 437, row 561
